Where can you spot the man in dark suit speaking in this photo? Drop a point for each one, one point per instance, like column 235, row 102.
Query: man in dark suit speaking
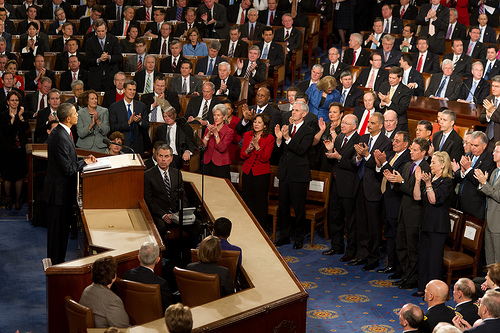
column 61, row 182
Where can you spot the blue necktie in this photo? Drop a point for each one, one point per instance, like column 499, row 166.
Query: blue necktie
column 342, row 98
column 362, row 166
column 438, row 94
column 259, row 111
column 129, row 113
column 264, row 54
column 470, row 98
column 487, row 73
column 443, row 140
column 210, row 67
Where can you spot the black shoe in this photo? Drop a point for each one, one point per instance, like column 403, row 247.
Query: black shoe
column 394, row 276
column 8, row 205
column 345, row 259
column 298, row 245
column 398, row 282
column 332, row 252
column 282, row 241
column 357, row 262
column 418, row 294
column 408, row 285
column 386, row 270
column 370, row 267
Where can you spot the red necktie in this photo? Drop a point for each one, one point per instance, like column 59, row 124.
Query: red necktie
column 126, row 28
column 343, row 144
column 42, row 103
column 148, row 17
column 71, row 134
column 353, row 58
column 251, row 33
column 164, row 47
column 242, row 18
column 402, row 12
column 89, row 30
column 294, row 130
column 271, row 19
column 420, row 61
column 362, row 131
column 139, row 64
column 74, row 76
column 469, row 50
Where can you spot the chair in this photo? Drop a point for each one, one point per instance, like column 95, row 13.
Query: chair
column 312, row 41
column 142, row 301
column 278, row 78
column 471, row 241
column 229, row 259
column 197, row 288
column 79, row 317
column 355, row 71
column 427, row 80
column 296, row 58
column 456, row 221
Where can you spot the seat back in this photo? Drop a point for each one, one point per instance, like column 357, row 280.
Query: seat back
column 142, row 301
column 355, row 71
column 472, row 236
column 197, row 288
column 427, row 79
column 79, row 317
column 319, row 187
column 229, row 259
column 456, row 221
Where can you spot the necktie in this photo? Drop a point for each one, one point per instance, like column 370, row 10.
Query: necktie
column 250, row 36
column 179, row 14
column 266, row 51
column 383, row 184
column 184, row 85
column 402, row 12
column 118, row 14
column 343, row 144
column 362, row 164
column 470, row 48
column 332, row 69
column 174, row 64
column 147, row 90
column 342, row 98
column 271, row 19
column 102, row 45
column 89, row 30
column 448, row 33
column 481, row 8
column 371, row 79
column 167, row 139
column 242, row 17
column 204, row 113
column 353, row 58
column 391, row 92
column 386, row 29
column 42, row 103
column 148, row 16
column 386, row 56
column 412, row 169
column 126, row 29
column 71, row 135
column 441, row 144
column 495, row 177
column 74, row 77
column 481, row 35
column 287, row 35
column 487, row 73
column 362, row 129
column 432, row 29
column 139, row 64
column 129, row 113
column 440, row 89
column 420, row 62
column 65, row 48
column 231, row 52
column 474, row 160
column 154, row 117
column 455, row 60
column 166, row 181
column 247, row 74
column 294, row 130
column 470, row 98
column 210, row 67
column 374, row 45
column 164, row 47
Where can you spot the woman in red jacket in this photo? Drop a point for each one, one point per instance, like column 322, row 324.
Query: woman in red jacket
column 256, row 151
column 217, row 139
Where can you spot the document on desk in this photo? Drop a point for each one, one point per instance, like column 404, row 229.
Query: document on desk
column 102, row 163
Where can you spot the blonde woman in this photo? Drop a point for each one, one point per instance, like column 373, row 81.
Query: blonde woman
column 321, row 95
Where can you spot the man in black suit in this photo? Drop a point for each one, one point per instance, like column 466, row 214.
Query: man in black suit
column 271, row 16
column 103, row 55
column 475, row 89
column 464, row 292
column 476, row 7
column 149, row 256
column 178, row 134
column 356, row 55
column 129, row 116
column 474, row 48
column 60, row 44
column 172, row 63
column 390, row 55
column 393, row 161
column 32, row 78
column 373, row 76
column 302, row 8
column 182, row 28
column 425, row 61
column 199, row 108
column 72, row 74
column 160, row 45
column 209, row 65
column 31, row 16
column 436, row 293
column 491, row 64
column 177, row 12
column 226, row 86
column 87, row 23
column 289, row 34
column 262, row 106
column 186, row 84
column 252, row 30
column 114, row 10
column 8, row 85
column 349, row 95
column 152, row 100
column 146, row 77
column 237, row 12
column 146, row 12
column 316, row 74
column 117, row 93
column 405, row 10
column 374, row 40
column 59, row 189
column 38, row 100
column 445, row 85
column 21, row 12
column 271, row 50
column 294, row 174
column 212, row 18
column 408, row 42
column 233, row 46
column 8, row 24
column 462, row 62
column 488, row 34
column 412, row 78
column 48, row 9
column 471, row 200
column 82, row 10
column 120, row 28
column 47, row 114
column 367, row 184
column 433, row 19
column 489, row 114
column 392, row 24
column 341, row 212
column 365, row 111
column 447, row 139
column 252, row 68
column 455, row 29
column 5, row 51
column 56, row 27
column 334, row 67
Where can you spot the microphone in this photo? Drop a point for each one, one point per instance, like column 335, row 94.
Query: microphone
column 108, row 142
column 473, row 97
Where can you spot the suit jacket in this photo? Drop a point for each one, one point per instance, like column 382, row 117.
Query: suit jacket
column 453, row 144
column 294, row 41
column 221, row 26
column 22, row 27
column 479, row 51
column 232, row 13
column 368, row 45
column 399, row 41
column 184, row 136
column 460, row 31
column 8, row 41
column 80, row 11
column 495, row 69
column 488, row 326
column 482, row 90
column 233, row 85
column 140, row 78
column 29, row 79
column 156, row 45
column 341, row 67
column 362, row 79
column 361, row 60
column 257, row 33
column 304, row 85
column 67, row 79
column 42, row 42
column 194, row 106
column 179, row 30
column 47, row 11
column 489, row 35
column 463, row 66
column 264, row 14
column 392, row 60
column 166, row 65
column 392, row 197
column 118, row 121
column 343, row 170
column 410, row 13
column 140, row 14
column 274, row 114
column 202, row 65
column 259, row 76
column 474, row 12
column 93, row 51
column 58, row 45
column 195, row 84
column 84, row 26
column 62, row 170
column 53, row 28
column 145, row 275
column 453, row 89
column 172, row 13
column 495, row 118
column 118, row 26
column 353, row 97
column 275, row 54
column 131, row 63
column 41, row 124
column 240, row 51
column 226, row 283
column 110, row 12
column 149, row 99
column 3, row 95
column 437, row 314
column 471, row 200
column 399, row 103
column 107, row 307
column 436, row 42
column 90, row 138
column 468, row 311
column 397, row 25
column 218, row 153
column 31, row 102
column 310, row 120
column 431, row 64
column 416, row 76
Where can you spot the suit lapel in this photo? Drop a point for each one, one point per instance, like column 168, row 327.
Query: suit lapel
column 160, row 182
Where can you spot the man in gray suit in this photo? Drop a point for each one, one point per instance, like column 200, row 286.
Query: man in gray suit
column 135, row 62
column 186, row 84
column 491, row 188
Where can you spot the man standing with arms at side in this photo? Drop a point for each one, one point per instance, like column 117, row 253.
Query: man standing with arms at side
column 60, row 191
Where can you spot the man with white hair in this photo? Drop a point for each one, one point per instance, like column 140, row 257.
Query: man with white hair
column 149, row 256
column 356, row 55
column 463, row 294
column 390, row 124
column 316, row 74
column 445, row 85
column 489, row 311
column 475, row 89
column 226, row 86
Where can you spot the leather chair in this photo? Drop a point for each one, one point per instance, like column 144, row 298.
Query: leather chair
column 229, row 259
column 142, row 301
column 79, row 317
column 197, row 288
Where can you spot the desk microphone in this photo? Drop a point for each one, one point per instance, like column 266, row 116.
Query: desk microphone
column 470, row 92
column 108, row 142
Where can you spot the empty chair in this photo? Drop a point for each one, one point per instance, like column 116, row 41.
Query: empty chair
column 142, row 301
column 197, row 288
column 79, row 317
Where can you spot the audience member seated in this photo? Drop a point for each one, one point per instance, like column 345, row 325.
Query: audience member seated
column 120, row 27
column 209, row 253
column 411, row 316
column 93, row 123
column 106, row 306
column 489, row 313
column 182, row 27
column 463, row 294
column 87, row 23
column 373, row 76
column 488, row 34
column 356, row 55
column 32, row 43
column 37, row 100
column 445, row 85
column 374, row 40
column 408, row 42
column 436, row 293
column 128, row 43
column 491, row 63
column 74, row 73
column 153, row 28
column 62, row 59
column 116, row 137
column 392, row 24
column 390, row 55
column 115, row 95
column 290, row 35
column 8, row 85
column 234, row 46
column 199, row 108
column 425, row 61
column 47, row 114
column 31, row 16
column 365, row 111
column 135, row 63
column 222, row 230
column 149, row 256
column 252, row 30
column 390, row 124
column 159, row 91
column 316, row 74
column 475, row 89
column 232, row 121
column 462, row 63
column 208, row 65
column 271, row 16
column 48, row 9
column 349, row 95
column 412, row 78
column 335, row 68
column 6, row 48
column 178, row 317
column 59, row 26
column 146, row 77
column 237, row 12
column 321, row 95
column 160, row 44
column 212, row 27
column 172, row 63
column 33, row 76
column 290, row 94
column 195, row 47
column 473, row 47
column 187, row 84
column 151, row 162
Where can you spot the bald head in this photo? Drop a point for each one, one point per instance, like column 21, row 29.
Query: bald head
column 436, row 292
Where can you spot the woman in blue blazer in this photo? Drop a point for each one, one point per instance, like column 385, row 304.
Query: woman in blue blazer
column 321, row 95
column 195, row 47
column 93, row 124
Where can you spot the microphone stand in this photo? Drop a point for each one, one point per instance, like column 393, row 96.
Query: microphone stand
column 180, row 196
column 108, row 142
